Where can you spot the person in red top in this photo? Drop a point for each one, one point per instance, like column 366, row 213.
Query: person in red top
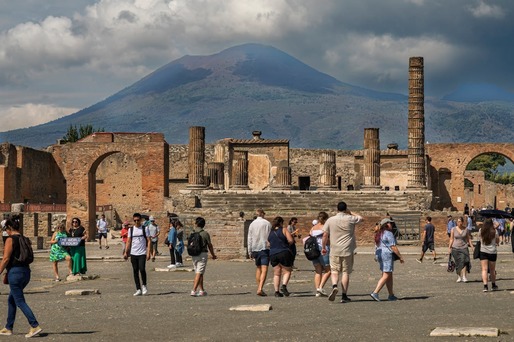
column 124, row 235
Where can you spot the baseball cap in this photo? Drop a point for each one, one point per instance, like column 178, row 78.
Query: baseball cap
column 386, row 220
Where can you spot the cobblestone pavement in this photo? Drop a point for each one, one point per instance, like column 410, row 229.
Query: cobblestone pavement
column 429, row 298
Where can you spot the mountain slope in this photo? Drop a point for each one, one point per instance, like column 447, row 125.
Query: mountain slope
column 256, row 87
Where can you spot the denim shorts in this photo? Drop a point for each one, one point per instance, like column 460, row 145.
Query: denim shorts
column 323, row 260
column 261, row 257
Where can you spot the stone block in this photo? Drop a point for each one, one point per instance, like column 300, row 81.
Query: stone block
column 465, row 331
column 82, row 292
column 254, row 308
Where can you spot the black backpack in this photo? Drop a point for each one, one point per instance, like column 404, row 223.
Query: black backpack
column 26, row 253
column 311, row 248
column 194, row 244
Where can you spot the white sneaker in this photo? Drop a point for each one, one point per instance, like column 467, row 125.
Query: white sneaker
column 464, row 280
column 145, row 290
column 321, row 292
column 178, row 264
column 172, row 266
column 459, row 280
column 138, row 293
column 193, row 293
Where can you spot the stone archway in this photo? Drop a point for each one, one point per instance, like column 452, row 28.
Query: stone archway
column 454, row 158
column 79, row 162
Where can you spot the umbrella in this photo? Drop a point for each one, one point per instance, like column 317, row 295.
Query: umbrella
column 495, row 213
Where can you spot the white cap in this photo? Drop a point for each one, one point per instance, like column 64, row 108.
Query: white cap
column 314, row 222
column 152, row 218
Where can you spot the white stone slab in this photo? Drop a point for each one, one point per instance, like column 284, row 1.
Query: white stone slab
column 81, row 292
column 255, row 308
column 465, row 331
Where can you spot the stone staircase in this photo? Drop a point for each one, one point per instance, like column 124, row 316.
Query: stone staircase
column 299, row 202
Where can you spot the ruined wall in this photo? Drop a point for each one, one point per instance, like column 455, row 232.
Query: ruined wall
column 393, row 169
column 10, row 188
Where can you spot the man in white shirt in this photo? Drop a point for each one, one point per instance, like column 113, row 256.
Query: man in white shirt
column 101, row 226
column 154, row 236
column 138, row 247
column 258, row 248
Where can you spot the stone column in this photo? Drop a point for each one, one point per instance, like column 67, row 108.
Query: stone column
column 240, row 170
column 283, row 178
column 216, row 175
column 327, row 171
column 416, row 125
column 196, row 157
column 371, row 159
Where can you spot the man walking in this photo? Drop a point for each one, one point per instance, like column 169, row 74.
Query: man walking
column 101, row 226
column 138, row 248
column 450, row 225
column 155, row 231
column 340, row 231
column 200, row 261
column 258, row 249
column 428, row 240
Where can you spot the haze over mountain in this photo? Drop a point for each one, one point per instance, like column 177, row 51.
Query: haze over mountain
column 256, row 87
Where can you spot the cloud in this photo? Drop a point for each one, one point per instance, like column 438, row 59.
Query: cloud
column 31, row 114
column 483, row 10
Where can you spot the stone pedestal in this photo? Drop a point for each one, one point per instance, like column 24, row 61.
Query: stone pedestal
column 196, row 158
column 327, row 171
column 240, row 171
column 371, row 159
column 416, row 125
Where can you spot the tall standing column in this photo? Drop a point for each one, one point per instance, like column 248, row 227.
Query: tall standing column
column 416, row 128
column 240, row 170
column 327, row 171
column 371, row 159
column 283, row 178
column 196, row 158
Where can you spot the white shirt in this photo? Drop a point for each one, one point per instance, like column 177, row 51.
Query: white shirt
column 139, row 243
column 102, row 226
column 258, row 233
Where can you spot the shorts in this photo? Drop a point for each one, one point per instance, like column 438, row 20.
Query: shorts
column 100, row 235
column 261, row 257
column 487, row 256
column 341, row 264
column 200, row 262
column 284, row 259
column 426, row 246
column 501, row 232
column 323, row 260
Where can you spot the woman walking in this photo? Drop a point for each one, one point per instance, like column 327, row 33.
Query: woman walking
column 489, row 239
column 386, row 247
column 78, row 253
column 281, row 257
column 322, row 263
column 18, row 275
column 460, row 238
column 59, row 253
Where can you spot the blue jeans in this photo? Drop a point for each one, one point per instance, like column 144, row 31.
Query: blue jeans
column 18, row 277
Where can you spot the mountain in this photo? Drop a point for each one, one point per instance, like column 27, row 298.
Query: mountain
column 256, row 87
column 479, row 92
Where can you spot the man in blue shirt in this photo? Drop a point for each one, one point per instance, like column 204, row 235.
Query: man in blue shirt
column 470, row 222
column 450, row 225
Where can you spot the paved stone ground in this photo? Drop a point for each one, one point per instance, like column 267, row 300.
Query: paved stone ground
column 429, row 298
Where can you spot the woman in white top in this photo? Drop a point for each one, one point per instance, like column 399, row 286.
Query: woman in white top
column 489, row 239
column 321, row 264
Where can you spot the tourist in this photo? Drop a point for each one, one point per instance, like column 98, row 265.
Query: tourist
column 460, row 238
column 78, row 253
column 386, row 247
column 291, row 227
column 18, row 275
column 179, row 248
column 488, row 253
column 281, row 257
column 4, row 233
column 138, row 248
column 200, row 261
column 508, row 230
column 428, row 240
column 155, row 231
column 468, row 222
column 321, row 264
column 101, row 226
column 340, row 231
column 172, row 242
column 59, row 253
column 124, row 236
column 450, row 225
column 500, row 228
column 258, row 250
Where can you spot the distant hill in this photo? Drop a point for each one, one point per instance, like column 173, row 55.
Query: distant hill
column 479, row 92
column 256, row 87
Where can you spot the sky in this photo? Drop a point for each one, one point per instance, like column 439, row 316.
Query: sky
column 60, row 56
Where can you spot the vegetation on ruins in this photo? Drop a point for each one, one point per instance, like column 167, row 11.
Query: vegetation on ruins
column 489, row 163
column 73, row 134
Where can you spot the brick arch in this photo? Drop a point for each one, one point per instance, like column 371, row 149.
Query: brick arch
column 454, row 158
column 79, row 162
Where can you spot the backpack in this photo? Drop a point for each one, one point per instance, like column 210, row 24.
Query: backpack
column 132, row 231
column 26, row 253
column 194, row 244
column 311, row 248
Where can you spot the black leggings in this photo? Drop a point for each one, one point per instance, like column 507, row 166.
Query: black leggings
column 172, row 254
column 139, row 265
column 178, row 256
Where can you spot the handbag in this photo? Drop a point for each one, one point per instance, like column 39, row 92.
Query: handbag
column 166, row 241
column 6, row 280
column 395, row 256
column 451, row 264
column 476, row 251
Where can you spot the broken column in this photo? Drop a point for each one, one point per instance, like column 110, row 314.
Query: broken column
column 240, row 170
column 196, row 158
column 371, row 159
column 327, row 172
column 215, row 171
column 416, row 125
column 283, row 177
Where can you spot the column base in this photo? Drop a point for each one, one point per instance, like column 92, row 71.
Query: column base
column 196, row 187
